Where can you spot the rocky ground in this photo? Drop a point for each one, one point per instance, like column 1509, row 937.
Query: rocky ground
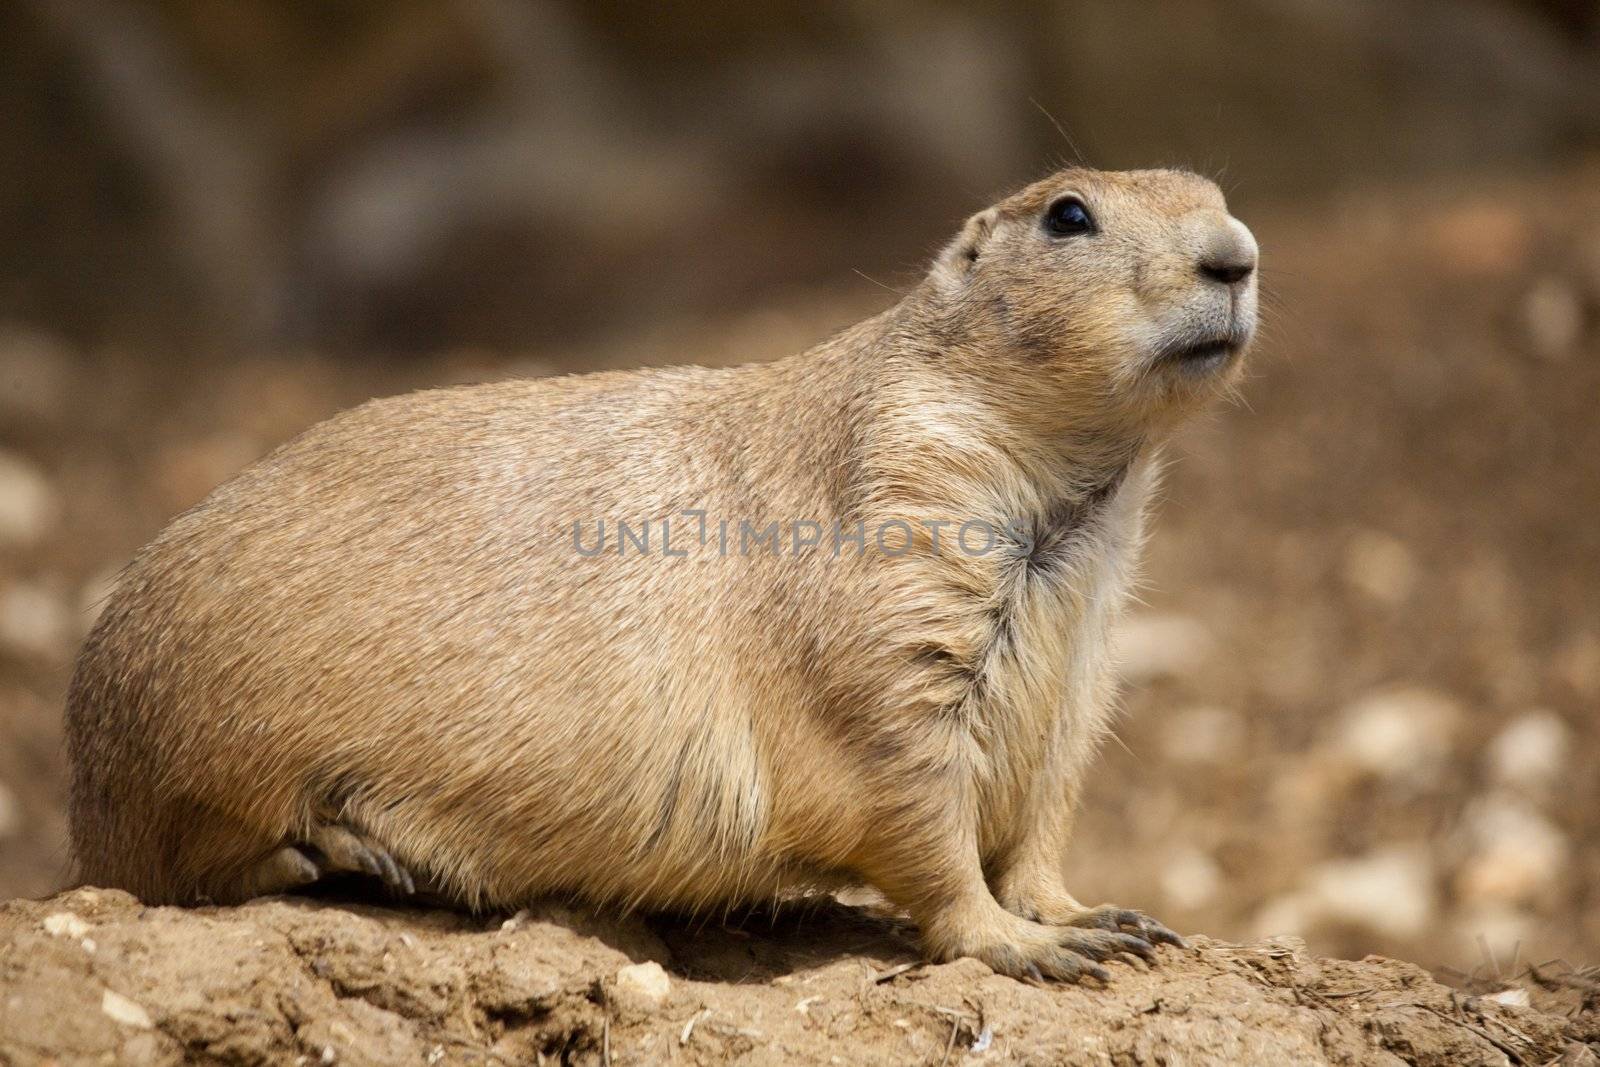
column 1361, row 688
column 92, row 976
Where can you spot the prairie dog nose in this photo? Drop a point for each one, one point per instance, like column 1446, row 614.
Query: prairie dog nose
column 1229, row 254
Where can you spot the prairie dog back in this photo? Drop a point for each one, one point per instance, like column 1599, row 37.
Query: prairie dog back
column 685, row 638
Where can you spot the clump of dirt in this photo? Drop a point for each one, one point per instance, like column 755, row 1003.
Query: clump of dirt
column 93, row 976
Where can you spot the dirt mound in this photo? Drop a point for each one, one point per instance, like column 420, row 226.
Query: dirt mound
column 93, row 976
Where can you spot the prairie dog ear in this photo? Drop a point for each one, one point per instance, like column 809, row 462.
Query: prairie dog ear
column 955, row 263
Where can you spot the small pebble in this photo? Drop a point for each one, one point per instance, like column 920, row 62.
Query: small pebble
column 1531, row 751
column 1380, row 566
column 125, row 1011
column 1153, row 646
column 1403, row 734
column 65, row 924
column 1390, row 891
column 1518, row 854
column 643, row 985
column 1292, row 913
column 1516, row 997
column 1191, row 879
column 34, row 621
column 28, row 504
column 1203, row 735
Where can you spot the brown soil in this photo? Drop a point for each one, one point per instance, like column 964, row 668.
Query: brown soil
column 91, row 976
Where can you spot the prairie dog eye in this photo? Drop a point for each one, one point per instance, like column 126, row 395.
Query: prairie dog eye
column 1068, row 217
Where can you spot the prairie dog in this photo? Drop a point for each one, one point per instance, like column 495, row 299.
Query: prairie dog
column 541, row 637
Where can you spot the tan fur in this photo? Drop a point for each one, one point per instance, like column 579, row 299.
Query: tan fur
column 384, row 627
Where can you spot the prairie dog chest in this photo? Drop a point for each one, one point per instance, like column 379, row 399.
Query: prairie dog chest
column 1046, row 681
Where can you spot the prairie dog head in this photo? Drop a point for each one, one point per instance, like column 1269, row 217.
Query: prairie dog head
column 1099, row 296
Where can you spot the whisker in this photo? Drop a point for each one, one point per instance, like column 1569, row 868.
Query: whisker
column 875, row 281
column 1062, row 130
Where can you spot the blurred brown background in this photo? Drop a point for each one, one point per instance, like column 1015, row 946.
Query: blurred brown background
column 1363, row 684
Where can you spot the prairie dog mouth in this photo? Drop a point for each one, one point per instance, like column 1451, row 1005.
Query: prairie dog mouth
column 1198, row 355
column 1202, row 356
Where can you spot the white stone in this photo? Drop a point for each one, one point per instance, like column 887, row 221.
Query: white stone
column 1191, row 879
column 65, row 924
column 1400, row 733
column 1517, row 852
column 644, row 984
column 1291, row 913
column 125, row 1011
column 1531, row 752
column 1152, row 645
column 1380, row 566
column 34, row 621
column 1390, row 891
column 28, row 504
column 1516, row 997
column 1203, row 735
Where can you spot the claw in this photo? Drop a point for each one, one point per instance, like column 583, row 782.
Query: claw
column 1127, row 944
column 1156, row 933
column 343, row 849
column 1162, row 935
column 1129, row 923
column 1068, row 964
column 1075, row 952
column 391, row 870
column 1134, row 946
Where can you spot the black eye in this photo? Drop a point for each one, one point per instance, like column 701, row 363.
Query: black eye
column 1067, row 217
